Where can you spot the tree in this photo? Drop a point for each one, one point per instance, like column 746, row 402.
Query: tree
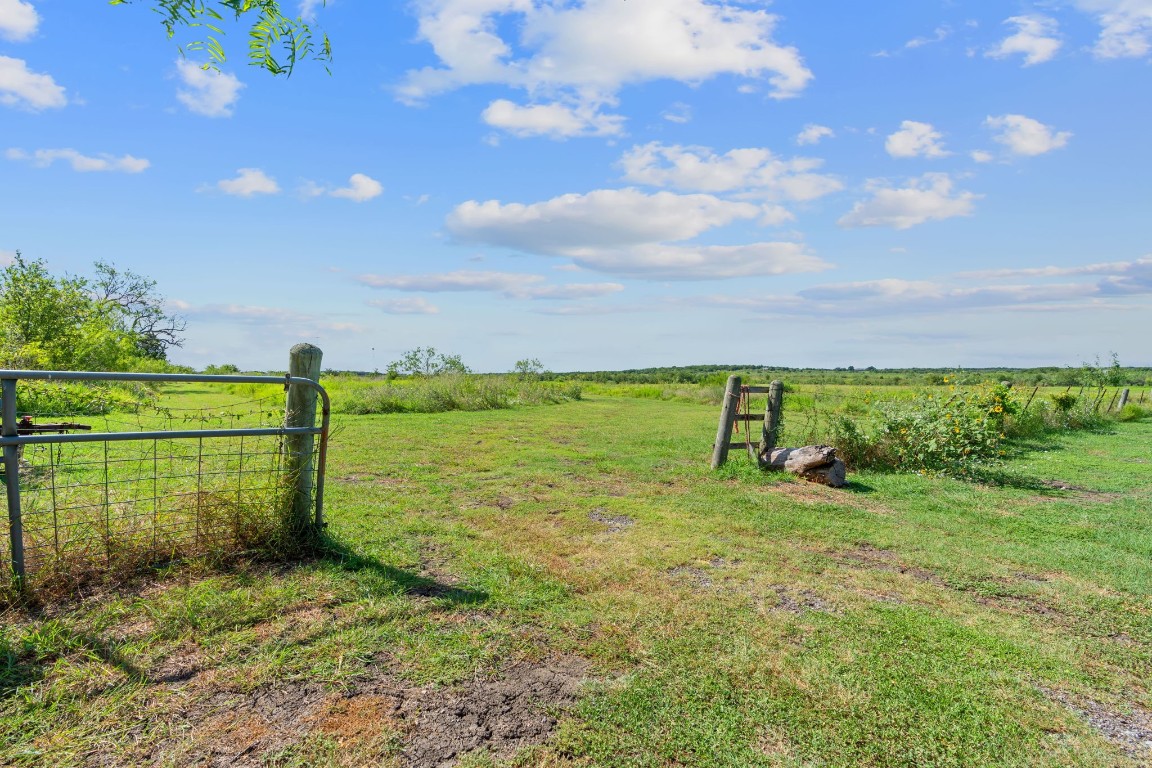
column 426, row 361
column 270, row 31
column 70, row 323
column 139, row 310
column 528, row 368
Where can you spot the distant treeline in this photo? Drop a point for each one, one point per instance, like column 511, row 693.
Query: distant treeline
column 1086, row 375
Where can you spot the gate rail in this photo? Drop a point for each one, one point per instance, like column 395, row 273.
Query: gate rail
column 296, row 424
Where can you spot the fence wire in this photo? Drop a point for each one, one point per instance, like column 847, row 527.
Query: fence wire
column 92, row 507
column 811, row 412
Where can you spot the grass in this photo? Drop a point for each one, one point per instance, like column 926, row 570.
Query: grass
column 730, row 618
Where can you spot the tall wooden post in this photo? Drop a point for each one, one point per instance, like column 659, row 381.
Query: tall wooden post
column 727, row 416
column 12, row 482
column 300, row 411
column 1123, row 400
column 772, row 411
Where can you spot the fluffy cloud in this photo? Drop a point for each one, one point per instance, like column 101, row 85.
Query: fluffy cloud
column 513, row 285
column 813, row 134
column 928, row 198
column 606, row 218
column 307, row 9
column 1025, row 136
column 660, row 261
column 207, row 91
column 7, row 257
column 82, row 163
column 1032, row 291
column 361, row 188
column 1036, row 38
column 289, row 322
column 627, row 232
column 556, row 120
column 21, row 87
column 249, row 182
column 411, row 305
column 939, row 35
column 587, row 51
column 753, row 170
column 915, row 140
column 1126, row 27
column 18, row 20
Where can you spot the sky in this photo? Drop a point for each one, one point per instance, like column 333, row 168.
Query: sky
column 604, row 184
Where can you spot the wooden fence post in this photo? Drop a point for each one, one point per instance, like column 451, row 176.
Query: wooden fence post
column 12, row 484
column 772, row 412
column 300, row 411
column 727, row 415
column 1123, row 400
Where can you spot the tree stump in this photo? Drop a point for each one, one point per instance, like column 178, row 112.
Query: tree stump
column 816, row 463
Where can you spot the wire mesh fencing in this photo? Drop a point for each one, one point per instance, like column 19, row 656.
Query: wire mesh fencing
column 114, row 492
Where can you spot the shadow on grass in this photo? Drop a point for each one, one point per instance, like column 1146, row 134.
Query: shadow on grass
column 417, row 585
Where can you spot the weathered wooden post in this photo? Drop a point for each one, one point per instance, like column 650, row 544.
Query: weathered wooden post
column 12, row 481
column 1123, row 400
column 300, row 411
column 727, row 416
column 772, row 412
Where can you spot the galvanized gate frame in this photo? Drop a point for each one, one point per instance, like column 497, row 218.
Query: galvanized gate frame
column 11, row 442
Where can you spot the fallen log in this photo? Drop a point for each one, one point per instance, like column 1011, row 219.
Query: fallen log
column 816, row 463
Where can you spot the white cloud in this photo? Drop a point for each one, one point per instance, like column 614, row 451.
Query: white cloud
column 813, row 134
column 915, row 140
column 678, row 113
column 556, row 120
column 513, row 285
column 278, row 319
column 928, row 198
column 208, row 92
column 7, row 258
column 1126, row 27
column 307, row 9
column 21, row 87
column 753, row 170
column 249, row 182
column 604, row 218
column 82, row 163
column 18, row 20
column 939, row 35
column 361, row 188
column 586, row 52
column 1025, row 136
column 660, row 261
column 627, row 232
column 981, row 156
column 1036, row 38
column 412, row 305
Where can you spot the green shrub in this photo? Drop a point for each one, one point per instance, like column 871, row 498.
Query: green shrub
column 449, row 392
column 1133, row 412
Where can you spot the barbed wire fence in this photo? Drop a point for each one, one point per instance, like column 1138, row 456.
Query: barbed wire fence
column 815, row 414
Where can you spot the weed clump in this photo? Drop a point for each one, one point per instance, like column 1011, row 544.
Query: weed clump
column 450, row 392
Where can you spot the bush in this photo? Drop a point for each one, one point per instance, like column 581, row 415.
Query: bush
column 954, row 435
column 451, row 392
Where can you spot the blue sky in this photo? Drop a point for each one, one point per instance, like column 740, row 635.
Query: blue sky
column 607, row 183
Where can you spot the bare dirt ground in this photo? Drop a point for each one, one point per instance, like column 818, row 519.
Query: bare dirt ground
column 379, row 719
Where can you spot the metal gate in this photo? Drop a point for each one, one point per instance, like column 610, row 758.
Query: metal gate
column 83, row 500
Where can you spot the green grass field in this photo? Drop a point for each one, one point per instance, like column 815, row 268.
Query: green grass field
column 570, row 585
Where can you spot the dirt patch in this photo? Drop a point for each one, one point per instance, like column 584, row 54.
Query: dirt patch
column 1131, row 731
column 614, row 523
column 424, row 727
column 799, row 601
column 868, row 556
column 1077, row 492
